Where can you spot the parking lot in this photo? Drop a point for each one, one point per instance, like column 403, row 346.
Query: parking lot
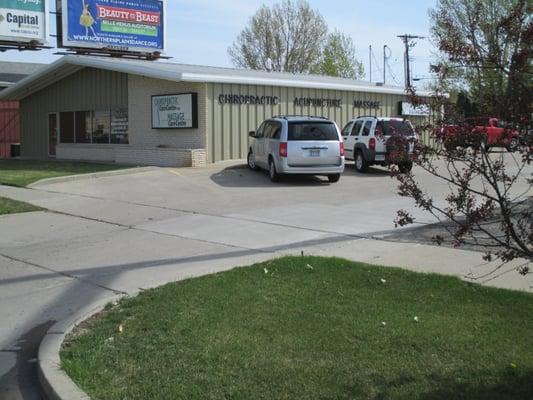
column 107, row 236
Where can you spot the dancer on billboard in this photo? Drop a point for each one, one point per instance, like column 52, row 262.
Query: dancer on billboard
column 86, row 19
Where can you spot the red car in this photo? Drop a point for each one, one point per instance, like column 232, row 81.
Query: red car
column 485, row 131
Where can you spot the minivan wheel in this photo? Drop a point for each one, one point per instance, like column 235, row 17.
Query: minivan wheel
column 334, row 178
column 360, row 163
column 274, row 176
column 251, row 161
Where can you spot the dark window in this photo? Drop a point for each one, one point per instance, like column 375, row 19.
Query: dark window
column 312, row 131
column 272, row 130
column 347, row 129
column 393, row 127
column 366, row 128
column 66, row 127
column 260, row 130
column 83, row 126
column 101, row 126
column 277, row 131
column 357, row 128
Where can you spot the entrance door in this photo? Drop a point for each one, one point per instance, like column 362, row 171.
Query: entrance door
column 52, row 134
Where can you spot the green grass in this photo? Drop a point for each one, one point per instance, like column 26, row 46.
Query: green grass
column 24, row 172
column 309, row 328
column 8, row 206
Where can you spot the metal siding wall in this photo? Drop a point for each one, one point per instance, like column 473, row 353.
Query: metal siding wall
column 88, row 89
column 229, row 124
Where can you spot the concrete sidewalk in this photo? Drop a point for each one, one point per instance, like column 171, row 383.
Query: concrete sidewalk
column 113, row 235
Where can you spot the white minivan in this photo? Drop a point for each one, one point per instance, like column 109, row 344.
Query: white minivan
column 297, row 145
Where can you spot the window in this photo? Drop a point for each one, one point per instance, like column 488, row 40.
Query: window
column 66, row 127
column 394, row 127
column 260, row 131
column 367, row 127
column 272, row 130
column 312, row 131
column 277, row 131
column 83, row 123
column 347, row 129
column 101, row 126
column 357, row 128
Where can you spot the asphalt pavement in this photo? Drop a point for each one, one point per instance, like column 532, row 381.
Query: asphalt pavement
column 118, row 234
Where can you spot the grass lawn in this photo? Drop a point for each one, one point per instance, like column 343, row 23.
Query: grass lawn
column 24, row 172
column 8, row 206
column 309, row 328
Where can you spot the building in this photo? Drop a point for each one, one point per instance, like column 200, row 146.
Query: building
column 167, row 114
column 11, row 73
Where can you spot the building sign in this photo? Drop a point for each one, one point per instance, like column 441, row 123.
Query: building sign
column 317, row 102
column 175, row 111
column 122, row 25
column 23, row 21
column 405, row 108
column 251, row 99
column 247, row 99
column 366, row 104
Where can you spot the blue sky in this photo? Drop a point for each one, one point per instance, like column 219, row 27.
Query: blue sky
column 200, row 31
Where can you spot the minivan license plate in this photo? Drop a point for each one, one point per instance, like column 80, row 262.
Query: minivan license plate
column 314, row 153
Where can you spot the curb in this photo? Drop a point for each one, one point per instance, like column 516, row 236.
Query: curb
column 55, row 383
column 95, row 175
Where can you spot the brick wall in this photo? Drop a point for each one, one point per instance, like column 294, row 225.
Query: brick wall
column 134, row 155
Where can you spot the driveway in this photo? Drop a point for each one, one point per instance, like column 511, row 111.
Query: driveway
column 114, row 235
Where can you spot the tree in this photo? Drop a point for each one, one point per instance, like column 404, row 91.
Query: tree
column 489, row 202
column 338, row 58
column 287, row 37
column 487, row 44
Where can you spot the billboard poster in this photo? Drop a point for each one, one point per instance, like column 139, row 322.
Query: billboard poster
column 175, row 111
column 122, row 25
column 23, row 21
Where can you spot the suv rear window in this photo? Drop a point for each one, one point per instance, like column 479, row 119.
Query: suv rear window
column 312, row 131
column 390, row 128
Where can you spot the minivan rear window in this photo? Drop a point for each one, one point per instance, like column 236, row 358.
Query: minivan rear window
column 393, row 127
column 312, row 131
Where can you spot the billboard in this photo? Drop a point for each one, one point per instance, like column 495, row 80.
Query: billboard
column 175, row 111
column 23, row 21
column 120, row 25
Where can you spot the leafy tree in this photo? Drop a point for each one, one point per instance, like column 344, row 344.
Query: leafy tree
column 287, row 37
column 489, row 203
column 338, row 58
column 487, row 43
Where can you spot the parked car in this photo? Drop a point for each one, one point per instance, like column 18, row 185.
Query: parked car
column 486, row 132
column 297, row 145
column 380, row 141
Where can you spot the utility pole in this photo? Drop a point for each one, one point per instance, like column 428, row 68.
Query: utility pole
column 370, row 61
column 385, row 57
column 408, row 41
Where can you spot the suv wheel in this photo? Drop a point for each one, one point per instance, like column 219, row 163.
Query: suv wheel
column 274, row 176
column 251, row 161
column 360, row 163
column 405, row 167
column 332, row 178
